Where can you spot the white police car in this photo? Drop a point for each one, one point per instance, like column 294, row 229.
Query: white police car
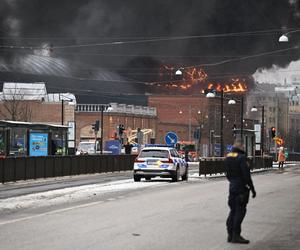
column 159, row 160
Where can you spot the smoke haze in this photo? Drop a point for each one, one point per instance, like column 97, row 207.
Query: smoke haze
column 64, row 22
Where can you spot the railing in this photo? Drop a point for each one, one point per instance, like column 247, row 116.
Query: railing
column 216, row 165
column 117, row 108
column 24, row 168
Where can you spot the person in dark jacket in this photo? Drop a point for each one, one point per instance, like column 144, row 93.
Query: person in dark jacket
column 128, row 148
column 240, row 185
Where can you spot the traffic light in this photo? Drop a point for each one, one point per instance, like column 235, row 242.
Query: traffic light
column 95, row 126
column 273, row 132
column 121, row 129
column 234, row 130
column 197, row 134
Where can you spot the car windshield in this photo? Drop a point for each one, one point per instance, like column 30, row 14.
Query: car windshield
column 86, row 146
column 154, row 153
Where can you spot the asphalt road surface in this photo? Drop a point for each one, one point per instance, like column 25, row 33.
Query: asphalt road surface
column 121, row 214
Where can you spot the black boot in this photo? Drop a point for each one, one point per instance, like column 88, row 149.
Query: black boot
column 239, row 239
column 229, row 238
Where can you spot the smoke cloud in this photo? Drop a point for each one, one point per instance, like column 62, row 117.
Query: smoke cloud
column 64, row 22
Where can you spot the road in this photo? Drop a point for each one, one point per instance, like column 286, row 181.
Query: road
column 153, row 215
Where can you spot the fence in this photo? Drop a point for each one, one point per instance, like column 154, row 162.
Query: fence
column 216, row 165
column 23, row 168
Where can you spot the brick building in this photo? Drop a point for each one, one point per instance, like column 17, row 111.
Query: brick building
column 31, row 102
column 131, row 116
column 183, row 114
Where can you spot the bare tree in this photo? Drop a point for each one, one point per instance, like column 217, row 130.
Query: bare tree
column 14, row 107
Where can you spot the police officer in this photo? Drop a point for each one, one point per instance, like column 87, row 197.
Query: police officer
column 238, row 174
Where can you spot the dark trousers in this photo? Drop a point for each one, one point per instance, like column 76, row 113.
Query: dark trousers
column 238, row 207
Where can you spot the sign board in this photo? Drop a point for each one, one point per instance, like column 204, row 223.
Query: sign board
column 257, row 129
column 38, row 144
column 71, row 131
column 171, row 138
column 228, row 148
column 217, row 149
column 113, row 147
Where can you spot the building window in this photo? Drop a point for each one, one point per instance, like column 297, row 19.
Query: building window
column 18, row 141
column 2, row 143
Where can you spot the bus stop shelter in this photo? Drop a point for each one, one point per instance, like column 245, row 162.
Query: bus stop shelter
column 32, row 139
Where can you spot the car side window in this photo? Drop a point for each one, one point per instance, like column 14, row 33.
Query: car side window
column 173, row 153
column 176, row 153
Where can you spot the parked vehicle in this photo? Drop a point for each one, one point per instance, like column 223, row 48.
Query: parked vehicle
column 162, row 161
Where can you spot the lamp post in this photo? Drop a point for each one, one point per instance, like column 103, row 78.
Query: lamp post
column 232, row 102
column 284, row 37
column 212, row 95
column 103, row 108
column 262, row 131
column 63, row 98
column 71, row 101
column 190, row 120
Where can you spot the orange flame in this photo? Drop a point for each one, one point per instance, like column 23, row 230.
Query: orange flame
column 193, row 76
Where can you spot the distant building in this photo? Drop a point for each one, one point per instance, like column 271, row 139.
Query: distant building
column 30, row 102
column 276, row 105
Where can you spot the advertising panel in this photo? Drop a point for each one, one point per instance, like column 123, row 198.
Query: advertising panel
column 38, row 144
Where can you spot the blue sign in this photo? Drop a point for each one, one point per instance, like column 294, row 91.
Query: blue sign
column 217, row 149
column 113, row 147
column 171, row 138
column 228, row 148
column 38, row 144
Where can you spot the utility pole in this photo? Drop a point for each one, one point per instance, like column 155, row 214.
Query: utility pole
column 101, row 139
column 221, row 130
column 190, row 122
column 242, row 117
column 62, row 111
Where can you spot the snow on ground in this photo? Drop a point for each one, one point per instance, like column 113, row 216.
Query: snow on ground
column 71, row 194
column 65, row 195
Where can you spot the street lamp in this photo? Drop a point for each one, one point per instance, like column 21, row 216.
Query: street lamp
column 190, row 121
column 178, row 72
column 212, row 95
column 63, row 99
column 233, row 102
column 262, row 133
column 108, row 108
column 284, row 37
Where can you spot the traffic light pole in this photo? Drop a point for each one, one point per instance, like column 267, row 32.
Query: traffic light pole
column 242, row 117
column 221, row 130
column 101, row 139
column 262, row 129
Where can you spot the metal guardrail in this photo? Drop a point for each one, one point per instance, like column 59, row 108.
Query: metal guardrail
column 216, row 165
column 24, row 168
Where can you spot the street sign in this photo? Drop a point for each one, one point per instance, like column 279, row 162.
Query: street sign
column 171, row 138
column 113, row 147
column 228, row 148
column 217, row 149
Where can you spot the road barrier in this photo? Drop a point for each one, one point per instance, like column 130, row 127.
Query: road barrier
column 24, row 168
column 216, row 165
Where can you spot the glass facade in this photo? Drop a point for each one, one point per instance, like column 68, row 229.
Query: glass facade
column 18, row 142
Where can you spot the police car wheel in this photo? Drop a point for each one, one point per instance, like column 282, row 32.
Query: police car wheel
column 185, row 177
column 148, row 178
column 176, row 175
column 136, row 178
